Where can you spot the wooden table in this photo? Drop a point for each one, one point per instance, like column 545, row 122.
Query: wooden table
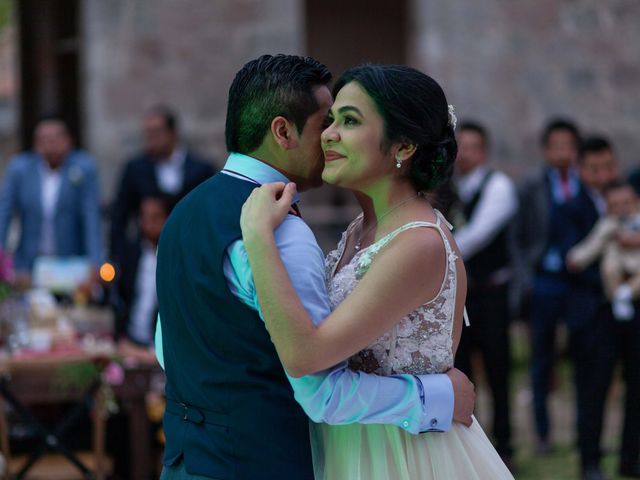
column 32, row 379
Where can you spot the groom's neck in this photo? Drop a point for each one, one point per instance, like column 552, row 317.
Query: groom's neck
column 275, row 159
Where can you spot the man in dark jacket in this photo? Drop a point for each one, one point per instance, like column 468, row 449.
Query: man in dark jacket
column 543, row 279
column 165, row 166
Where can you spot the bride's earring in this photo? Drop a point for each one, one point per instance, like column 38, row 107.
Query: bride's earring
column 398, row 163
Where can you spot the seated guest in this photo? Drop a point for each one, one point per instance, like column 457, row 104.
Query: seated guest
column 135, row 301
column 165, row 166
column 54, row 192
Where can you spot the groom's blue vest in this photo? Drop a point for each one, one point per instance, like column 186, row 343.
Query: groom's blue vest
column 230, row 409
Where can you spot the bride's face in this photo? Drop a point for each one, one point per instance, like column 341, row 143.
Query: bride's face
column 353, row 142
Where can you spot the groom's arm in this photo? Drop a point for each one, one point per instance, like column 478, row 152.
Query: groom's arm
column 339, row 395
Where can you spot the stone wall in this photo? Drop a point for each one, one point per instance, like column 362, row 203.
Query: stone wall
column 183, row 53
column 510, row 64
column 513, row 64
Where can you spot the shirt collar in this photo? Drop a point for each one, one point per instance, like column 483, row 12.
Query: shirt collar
column 147, row 247
column 254, row 169
column 556, row 184
column 176, row 159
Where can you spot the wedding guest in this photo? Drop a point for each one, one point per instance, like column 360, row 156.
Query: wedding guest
column 488, row 204
column 543, row 279
column 587, row 312
column 165, row 166
column 603, row 339
column 135, row 301
column 619, row 266
column 53, row 190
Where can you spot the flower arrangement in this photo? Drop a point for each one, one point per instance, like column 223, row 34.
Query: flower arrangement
column 81, row 376
column 6, row 274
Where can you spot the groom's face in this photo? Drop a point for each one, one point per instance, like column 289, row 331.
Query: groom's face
column 309, row 158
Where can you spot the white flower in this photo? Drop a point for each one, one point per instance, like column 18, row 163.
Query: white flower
column 76, row 175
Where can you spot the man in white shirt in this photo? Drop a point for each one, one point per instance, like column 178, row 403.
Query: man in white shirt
column 488, row 202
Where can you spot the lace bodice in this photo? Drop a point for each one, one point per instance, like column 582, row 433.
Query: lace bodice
column 421, row 342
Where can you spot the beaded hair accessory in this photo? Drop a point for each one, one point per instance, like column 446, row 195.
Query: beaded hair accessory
column 453, row 120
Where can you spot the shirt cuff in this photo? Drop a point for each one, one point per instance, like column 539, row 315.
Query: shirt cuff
column 438, row 400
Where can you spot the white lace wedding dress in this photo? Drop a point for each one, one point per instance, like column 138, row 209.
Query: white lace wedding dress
column 420, row 343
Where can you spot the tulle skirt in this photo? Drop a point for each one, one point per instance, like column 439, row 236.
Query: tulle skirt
column 385, row 452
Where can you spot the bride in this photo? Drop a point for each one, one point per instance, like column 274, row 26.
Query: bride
column 396, row 282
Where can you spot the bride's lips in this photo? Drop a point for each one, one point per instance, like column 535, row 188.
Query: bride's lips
column 330, row 156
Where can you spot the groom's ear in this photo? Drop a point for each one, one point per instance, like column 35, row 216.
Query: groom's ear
column 284, row 133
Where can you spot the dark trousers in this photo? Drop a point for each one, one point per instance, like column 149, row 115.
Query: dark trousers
column 488, row 311
column 624, row 345
column 587, row 344
column 547, row 309
column 591, row 377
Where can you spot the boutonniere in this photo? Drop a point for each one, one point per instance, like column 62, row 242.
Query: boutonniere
column 76, row 175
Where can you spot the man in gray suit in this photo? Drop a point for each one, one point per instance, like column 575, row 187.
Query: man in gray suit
column 53, row 190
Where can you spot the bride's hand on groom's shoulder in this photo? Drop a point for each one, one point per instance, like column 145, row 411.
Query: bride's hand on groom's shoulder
column 265, row 209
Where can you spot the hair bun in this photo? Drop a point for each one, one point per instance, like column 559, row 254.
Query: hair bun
column 432, row 164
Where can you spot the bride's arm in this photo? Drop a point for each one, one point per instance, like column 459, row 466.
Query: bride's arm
column 403, row 277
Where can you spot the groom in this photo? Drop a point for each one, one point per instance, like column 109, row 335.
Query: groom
column 232, row 412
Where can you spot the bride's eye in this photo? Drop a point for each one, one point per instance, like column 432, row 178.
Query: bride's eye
column 328, row 120
column 350, row 121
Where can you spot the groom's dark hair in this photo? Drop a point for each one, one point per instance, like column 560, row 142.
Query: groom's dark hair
column 267, row 87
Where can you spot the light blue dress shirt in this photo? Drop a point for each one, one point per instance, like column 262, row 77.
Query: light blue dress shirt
column 338, row 395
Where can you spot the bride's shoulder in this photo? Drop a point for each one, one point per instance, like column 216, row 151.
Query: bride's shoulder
column 410, row 248
column 419, row 242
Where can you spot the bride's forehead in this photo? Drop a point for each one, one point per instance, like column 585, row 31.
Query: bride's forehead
column 353, row 94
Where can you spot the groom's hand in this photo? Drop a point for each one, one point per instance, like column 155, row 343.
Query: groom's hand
column 464, row 394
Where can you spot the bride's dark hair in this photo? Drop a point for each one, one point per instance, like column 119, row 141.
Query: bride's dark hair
column 415, row 110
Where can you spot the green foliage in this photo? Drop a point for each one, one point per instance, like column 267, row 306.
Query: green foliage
column 79, row 376
column 6, row 13
column 5, row 291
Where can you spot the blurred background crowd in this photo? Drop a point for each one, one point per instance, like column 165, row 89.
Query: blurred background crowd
column 111, row 112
